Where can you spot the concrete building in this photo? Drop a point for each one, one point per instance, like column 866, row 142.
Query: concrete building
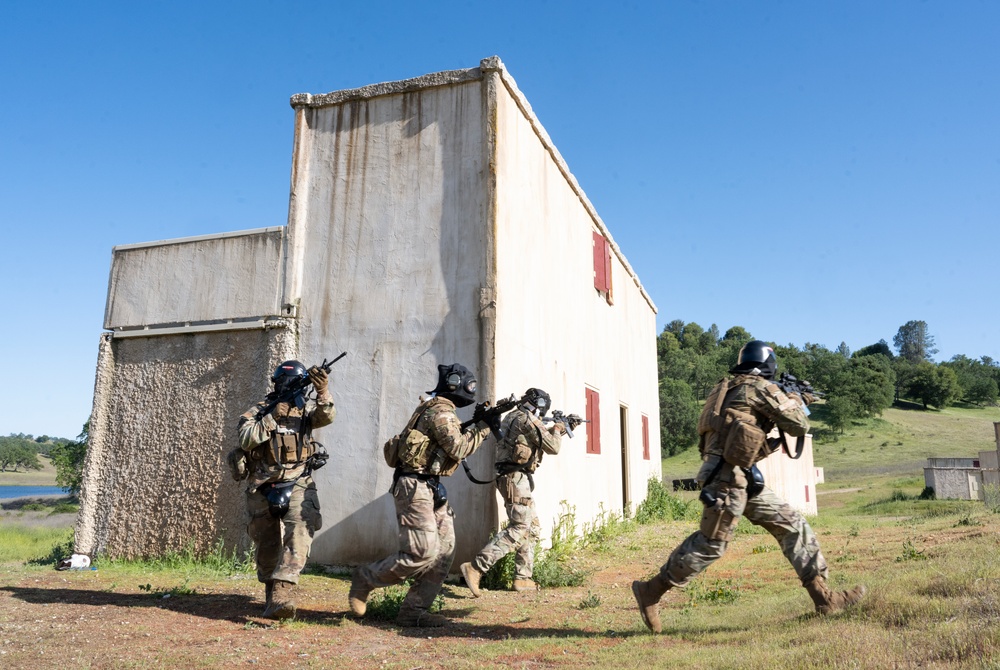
column 430, row 221
column 956, row 478
column 794, row 479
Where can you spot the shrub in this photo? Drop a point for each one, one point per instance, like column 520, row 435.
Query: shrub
column 660, row 504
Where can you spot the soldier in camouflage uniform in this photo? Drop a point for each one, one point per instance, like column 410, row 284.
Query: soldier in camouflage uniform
column 433, row 446
column 276, row 456
column 526, row 440
column 743, row 410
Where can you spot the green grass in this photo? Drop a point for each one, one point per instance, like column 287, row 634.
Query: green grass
column 27, row 544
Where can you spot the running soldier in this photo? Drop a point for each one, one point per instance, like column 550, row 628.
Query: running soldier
column 734, row 424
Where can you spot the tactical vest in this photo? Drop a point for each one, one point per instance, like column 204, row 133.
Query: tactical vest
column 514, row 452
column 290, row 443
column 414, row 451
column 732, row 432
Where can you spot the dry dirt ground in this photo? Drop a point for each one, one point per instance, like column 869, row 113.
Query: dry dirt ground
column 112, row 618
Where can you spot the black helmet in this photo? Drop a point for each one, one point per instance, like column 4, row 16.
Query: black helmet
column 756, row 355
column 457, row 384
column 287, row 373
column 539, row 399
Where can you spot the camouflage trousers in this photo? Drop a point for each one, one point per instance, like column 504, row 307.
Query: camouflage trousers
column 702, row 548
column 522, row 531
column 283, row 544
column 426, row 546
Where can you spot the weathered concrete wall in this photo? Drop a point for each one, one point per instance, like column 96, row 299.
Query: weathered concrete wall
column 165, row 411
column 954, row 478
column 555, row 331
column 389, row 232
column 165, row 282
column 793, row 479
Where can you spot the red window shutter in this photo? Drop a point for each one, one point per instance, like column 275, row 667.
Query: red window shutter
column 594, row 417
column 607, row 270
column 600, row 265
column 645, row 437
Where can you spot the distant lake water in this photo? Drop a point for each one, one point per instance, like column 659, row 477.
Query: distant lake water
column 7, row 492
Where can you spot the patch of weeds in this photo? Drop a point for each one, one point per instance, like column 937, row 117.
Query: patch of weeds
column 58, row 552
column 605, row 528
column 591, row 601
column 554, row 567
column 660, row 504
column 182, row 590
column 216, row 560
column 991, row 496
column 383, row 605
column 33, row 507
column 763, row 548
column 910, row 553
column 500, row 576
column 846, row 558
column 968, row 520
column 854, row 531
column 722, row 592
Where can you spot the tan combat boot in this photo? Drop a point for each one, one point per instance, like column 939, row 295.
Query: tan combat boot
column 357, row 597
column 471, row 577
column 647, row 595
column 282, row 601
column 419, row 619
column 268, row 594
column 525, row 585
column 831, row 602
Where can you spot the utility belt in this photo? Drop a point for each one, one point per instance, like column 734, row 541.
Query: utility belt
column 433, row 482
column 505, row 468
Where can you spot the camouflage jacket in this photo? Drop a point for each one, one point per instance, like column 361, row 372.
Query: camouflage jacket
column 260, row 438
column 526, row 440
column 766, row 402
column 449, row 443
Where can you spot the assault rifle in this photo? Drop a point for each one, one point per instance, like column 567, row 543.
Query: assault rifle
column 569, row 421
column 492, row 415
column 791, row 384
column 297, row 387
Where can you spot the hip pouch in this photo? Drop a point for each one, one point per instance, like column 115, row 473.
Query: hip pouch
column 390, row 451
column 744, row 439
column 439, row 491
column 278, row 498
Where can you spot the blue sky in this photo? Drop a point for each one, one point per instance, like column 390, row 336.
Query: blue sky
column 813, row 172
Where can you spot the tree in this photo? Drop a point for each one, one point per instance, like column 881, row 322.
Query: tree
column 914, row 342
column 934, row 385
column 982, row 391
column 868, row 383
column 17, row 451
column 839, row 410
column 68, row 459
column 844, row 350
column 880, row 347
column 678, row 417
